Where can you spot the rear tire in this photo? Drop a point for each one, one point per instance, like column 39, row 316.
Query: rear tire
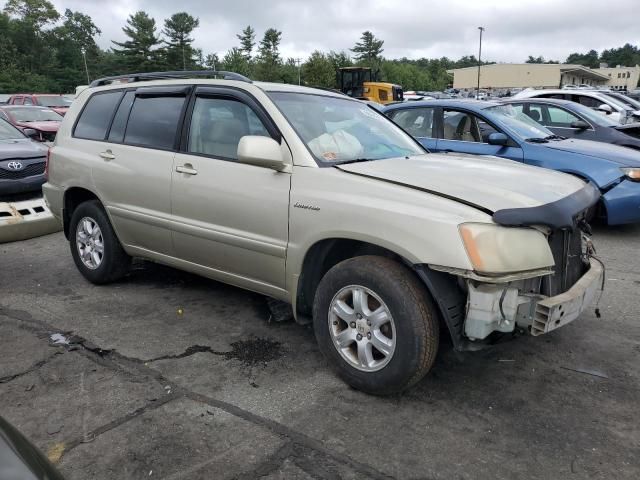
column 376, row 324
column 95, row 248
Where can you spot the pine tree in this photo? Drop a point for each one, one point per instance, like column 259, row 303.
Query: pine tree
column 179, row 53
column 269, row 62
column 368, row 49
column 247, row 41
column 139, row 52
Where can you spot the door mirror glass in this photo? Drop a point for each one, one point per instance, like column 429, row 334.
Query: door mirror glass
column 261, row 152
column 605, row 108
column 580, row 125
column 498, row 139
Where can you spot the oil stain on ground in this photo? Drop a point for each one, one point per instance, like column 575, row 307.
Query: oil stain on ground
column 254, row 351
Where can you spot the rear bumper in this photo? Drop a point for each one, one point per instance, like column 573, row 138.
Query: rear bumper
column 622, row 203
column 26, row 219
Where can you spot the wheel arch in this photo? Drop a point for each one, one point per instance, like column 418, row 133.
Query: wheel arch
column 73, row 197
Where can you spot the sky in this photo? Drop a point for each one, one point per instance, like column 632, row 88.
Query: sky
column 409, row 28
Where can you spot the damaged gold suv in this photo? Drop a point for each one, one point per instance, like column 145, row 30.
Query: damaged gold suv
column 316, row 199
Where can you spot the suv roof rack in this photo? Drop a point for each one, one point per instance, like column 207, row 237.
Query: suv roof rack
column 143, row 76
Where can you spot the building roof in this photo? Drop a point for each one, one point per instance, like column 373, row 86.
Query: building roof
column 564, row 68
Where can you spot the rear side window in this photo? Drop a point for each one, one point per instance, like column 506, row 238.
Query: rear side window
column 96, row 116
column 116, row 134
column 28, row 101
column 153, row 122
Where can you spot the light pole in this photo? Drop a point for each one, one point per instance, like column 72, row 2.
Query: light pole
column 86, row 69
column 298, row 61
column 479, row 61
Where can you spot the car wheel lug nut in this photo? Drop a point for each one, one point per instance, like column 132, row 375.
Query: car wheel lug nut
column 353, row 324
column 359, row 337
column 335, row 322
column 369, row 323
column 368, row 336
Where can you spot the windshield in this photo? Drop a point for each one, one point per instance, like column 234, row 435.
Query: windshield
column 54, row 101
column 521, row 124
column 8, row 131
column 34, row 115
column 629, row 102
column 338, row 130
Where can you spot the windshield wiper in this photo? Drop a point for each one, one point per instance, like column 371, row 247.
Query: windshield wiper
column 355, row 160
column 537, row 140
column 555, row 137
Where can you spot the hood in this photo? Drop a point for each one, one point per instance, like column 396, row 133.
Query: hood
column 624, row 156
column 21, row 148
column 488, row 183
column 51, row 126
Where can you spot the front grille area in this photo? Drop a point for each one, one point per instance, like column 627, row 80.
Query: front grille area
column 570, row 259
column 28, row 171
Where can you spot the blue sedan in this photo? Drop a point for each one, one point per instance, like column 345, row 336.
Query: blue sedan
column 489, row 128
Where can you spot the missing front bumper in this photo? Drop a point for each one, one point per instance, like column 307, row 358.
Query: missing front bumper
column 26, row 219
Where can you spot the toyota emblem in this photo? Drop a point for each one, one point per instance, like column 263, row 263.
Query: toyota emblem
column 14, row 165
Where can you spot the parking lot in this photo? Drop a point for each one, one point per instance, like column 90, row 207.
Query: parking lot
column 168, row 375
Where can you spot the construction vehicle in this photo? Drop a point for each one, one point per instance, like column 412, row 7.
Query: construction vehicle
column 361, row 82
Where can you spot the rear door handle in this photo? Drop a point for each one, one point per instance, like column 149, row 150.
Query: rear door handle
column 187, row 169
column 107, row 155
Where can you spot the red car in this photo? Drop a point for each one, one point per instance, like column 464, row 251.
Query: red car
column 58, row 103
column 44, row 121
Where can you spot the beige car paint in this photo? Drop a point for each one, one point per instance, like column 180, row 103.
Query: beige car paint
column 230, row 223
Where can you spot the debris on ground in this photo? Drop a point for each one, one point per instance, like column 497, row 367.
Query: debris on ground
column 59, row 339
column 255, row 351
column 594, row 373
column 54, row 454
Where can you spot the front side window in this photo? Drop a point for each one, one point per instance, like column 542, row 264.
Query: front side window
column 522, row 125
column 218, row 124
column 417, row 121
column 588, row 101
column 27, row 101
column 153, row 121
column 338, row 130
column 96, row 115
column 461, row 126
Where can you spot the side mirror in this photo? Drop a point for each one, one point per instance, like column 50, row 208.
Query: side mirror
column 606, row 109
column 31, row 133
column 580, row 124
column 498, row 139
column 261, row 152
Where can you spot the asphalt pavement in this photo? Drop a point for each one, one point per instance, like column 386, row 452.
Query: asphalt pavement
column 169, row 375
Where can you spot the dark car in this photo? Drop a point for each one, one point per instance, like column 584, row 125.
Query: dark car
column 43, row 120
column 498, row 129
column 56, row 102
column 22, row 162
column 20, row 459
column 574, row 120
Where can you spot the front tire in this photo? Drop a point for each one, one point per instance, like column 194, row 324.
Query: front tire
column 376, row 324
column 95, row 248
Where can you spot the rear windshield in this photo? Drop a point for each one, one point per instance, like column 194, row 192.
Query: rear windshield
column 338, row 130
column 53, row 101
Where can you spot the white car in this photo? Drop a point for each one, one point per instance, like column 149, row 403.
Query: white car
column 602, row 102
column 317, row 200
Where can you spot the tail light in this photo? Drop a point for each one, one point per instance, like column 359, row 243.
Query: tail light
column 46, row 164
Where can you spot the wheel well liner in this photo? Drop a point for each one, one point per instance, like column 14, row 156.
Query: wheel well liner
column 72, row 198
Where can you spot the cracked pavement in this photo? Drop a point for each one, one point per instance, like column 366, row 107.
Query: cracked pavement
column 169, row 375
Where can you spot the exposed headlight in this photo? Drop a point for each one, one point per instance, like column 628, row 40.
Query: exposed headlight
column 632, row 173
column 496, row 250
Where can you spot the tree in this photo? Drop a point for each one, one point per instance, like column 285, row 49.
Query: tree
column 319, row 71
column 212, row 62
column 590, row 59
column 247, row 41
column 269, row 62
column 139, row 52
column 38, row 13
column 179, row 53
column 368, row 49
column 235, row 61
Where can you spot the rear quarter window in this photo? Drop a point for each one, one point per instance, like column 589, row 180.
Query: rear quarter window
column 95, row 118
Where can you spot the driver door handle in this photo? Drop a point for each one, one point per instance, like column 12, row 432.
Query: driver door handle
column 107, row 155
column 187, row 168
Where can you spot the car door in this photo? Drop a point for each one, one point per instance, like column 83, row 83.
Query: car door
column 228, row 216
column 130, row 139
column 419, row 122
column 465, row 132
